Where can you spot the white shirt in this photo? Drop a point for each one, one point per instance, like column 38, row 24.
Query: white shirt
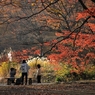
column 38, row 72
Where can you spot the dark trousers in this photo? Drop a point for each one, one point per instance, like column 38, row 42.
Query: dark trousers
column 39, row 79
column 11, row 80
column 24, row 76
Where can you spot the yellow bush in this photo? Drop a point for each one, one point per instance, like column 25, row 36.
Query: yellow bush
column 4, row 69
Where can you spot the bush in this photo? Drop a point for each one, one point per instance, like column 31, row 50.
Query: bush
column 63, row 74
column 58, row 79
column 89, row 72
column 4, row 69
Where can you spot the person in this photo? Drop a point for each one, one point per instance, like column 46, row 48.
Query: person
column 38, row 73
column 24, row 69
column 12, row 75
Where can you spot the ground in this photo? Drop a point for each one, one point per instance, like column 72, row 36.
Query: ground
column 74, row 88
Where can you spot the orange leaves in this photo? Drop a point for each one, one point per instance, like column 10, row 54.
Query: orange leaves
column 58, row 34
column 20, row 55
column 57, row 57
column 47, row 43
column 54, row 41
column 82, row 54
column 85, row 40
column 54, row 57
column 24, row 51
column 84, row 14
column 92, row 26
column 17, row 53
column 61, row 53
column 91, row 55
column 37, row 52
column 81, row 15
column 91, row 11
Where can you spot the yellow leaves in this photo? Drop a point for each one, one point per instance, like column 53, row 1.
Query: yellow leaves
column 33, row 4
column 33, row 62
column 51, row 1
column 4, row 69
column 1, row 73
column 90, row 69
column 55, row 10
column 64, row 69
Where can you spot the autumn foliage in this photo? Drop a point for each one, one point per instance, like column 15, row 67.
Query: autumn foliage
column 74, row 40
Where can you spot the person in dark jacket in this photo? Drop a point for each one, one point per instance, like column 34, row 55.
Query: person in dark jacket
column 12, row 74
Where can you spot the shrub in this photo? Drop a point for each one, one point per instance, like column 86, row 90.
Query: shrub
column 63, row 74
column 89, row 72
column 4, row 69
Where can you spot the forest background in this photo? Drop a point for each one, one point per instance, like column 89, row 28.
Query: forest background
column 58, row 34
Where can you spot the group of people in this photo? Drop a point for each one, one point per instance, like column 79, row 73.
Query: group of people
column 24, row 73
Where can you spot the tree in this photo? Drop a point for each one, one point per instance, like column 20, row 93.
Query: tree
column 81, row 37
column 20, row 19
column 34, row 18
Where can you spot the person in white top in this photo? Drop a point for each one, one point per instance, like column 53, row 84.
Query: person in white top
column 38, row 73
column 24, row 69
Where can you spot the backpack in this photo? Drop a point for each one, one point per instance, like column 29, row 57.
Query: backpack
column 18, row 81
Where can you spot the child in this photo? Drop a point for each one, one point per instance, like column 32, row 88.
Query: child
column 12, row 74
column 38, row 73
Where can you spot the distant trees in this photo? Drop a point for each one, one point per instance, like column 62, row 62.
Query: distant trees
column 46, row 24
column 23, row 20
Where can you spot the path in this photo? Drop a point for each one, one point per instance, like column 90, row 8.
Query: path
column 74, row 88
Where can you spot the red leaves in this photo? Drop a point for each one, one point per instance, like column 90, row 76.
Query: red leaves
column 20, row 55
column 24, row 51
column 54, row 57
column 81, row 15
column 92, row 26
column 83, row 44
column 86, row 13
column 58, row 34
column 47, row 43
column 37, row 52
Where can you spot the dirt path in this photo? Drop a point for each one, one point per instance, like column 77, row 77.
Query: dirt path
column 50, row 89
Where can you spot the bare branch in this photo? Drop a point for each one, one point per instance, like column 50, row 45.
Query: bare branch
column 68, row 35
